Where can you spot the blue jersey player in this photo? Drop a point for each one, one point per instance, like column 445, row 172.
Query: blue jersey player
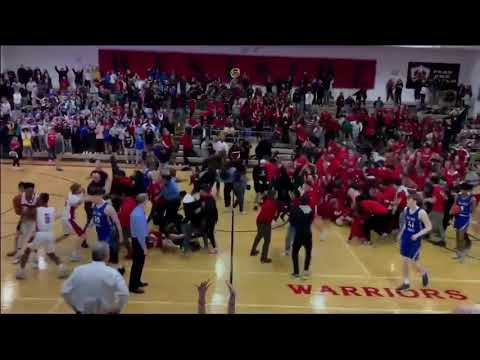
column 416, row 225
column 108, row 227
column 466, row 202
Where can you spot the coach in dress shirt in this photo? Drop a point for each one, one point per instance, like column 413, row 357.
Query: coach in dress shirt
column 96, row 288
column 139, row 231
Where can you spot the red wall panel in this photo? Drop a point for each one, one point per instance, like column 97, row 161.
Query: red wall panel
column 348, row 73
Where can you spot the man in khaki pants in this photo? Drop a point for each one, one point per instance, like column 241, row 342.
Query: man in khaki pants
column 438, row 200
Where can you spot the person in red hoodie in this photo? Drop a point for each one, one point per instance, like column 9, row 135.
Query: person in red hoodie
column 268, row 213
column 187, row 143
column 377, row 217
column 128, row 204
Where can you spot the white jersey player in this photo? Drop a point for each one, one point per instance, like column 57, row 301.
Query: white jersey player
column 44, row 237
column 75, row 198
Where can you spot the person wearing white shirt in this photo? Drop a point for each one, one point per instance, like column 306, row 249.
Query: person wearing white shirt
column 423, row 94
column 96, row 288
column 220, row 147
column 5, row 108
column 17, row 99
column 308, row 101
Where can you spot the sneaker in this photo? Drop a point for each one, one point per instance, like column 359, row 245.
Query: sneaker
column 306, row 275
column 286, row 253
column 457, row 256
column 266, row 261
column 213, row 251
column 74, row 258
column 84, row 244
column 121, row 270
column 425, row 280
column 255, row 208
column 295, row 276
column 403, row 287
column 20, row 274
column 62, row 272
column 12, row 253
column 16, row 260
column 59, row 169
column 254, row 253
column 243, row 213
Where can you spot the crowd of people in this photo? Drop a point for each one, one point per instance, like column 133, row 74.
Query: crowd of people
column 390, row 171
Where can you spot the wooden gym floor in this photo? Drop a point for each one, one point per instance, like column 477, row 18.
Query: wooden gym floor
column 345, row 279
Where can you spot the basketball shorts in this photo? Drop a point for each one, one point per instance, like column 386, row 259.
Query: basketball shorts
column 27, row 231
column 461, row 223
column 45, row 240
column 112, row 242
column 410, row 248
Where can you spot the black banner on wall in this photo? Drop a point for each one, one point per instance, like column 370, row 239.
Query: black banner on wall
column 446, row 75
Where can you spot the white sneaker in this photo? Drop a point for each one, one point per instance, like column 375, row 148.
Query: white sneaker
column 16, row 260
column 62, row 272
column 306, row 275
column 74, row 258
column 20, row 274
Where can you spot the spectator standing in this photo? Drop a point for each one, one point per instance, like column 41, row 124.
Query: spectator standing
column 390, row 87
column 308, row 101
column 5, row 109
column 67, row 136
column 62, row 77
column 15, row 149
column 139, row 232
column 210, row 219
column 267, row 214
column 378, row 104
column 51, row 139
column 139, row 148
column 27, row 143
column 129, row 146
column 96, row 288
column 340, row 102
column 59, row 150
column 301, row 218
column 398, row 92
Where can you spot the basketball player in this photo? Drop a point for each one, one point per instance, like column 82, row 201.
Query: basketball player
column 416, row 225
column 18, row 210
column 466, row 203
column 107, row 224
column 28, row 204
column 43, row 236
column 75, row 198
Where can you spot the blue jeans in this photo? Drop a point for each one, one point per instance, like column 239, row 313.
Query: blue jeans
column 289, row 238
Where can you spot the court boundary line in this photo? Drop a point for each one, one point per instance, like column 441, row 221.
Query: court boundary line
column 60, row 301
column 312, row 275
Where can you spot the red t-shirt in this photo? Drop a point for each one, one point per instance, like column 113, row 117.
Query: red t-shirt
column 439, row 200
column 168, row 141
column 268, row 211
column 272, row 171
column 51, row 140
column 125, row 211
column 373, row 207
column 186, row 141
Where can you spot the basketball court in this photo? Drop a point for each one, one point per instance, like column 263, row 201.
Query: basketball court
column 345, row 279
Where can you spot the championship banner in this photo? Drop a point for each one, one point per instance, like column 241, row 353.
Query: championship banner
column 445, row 74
